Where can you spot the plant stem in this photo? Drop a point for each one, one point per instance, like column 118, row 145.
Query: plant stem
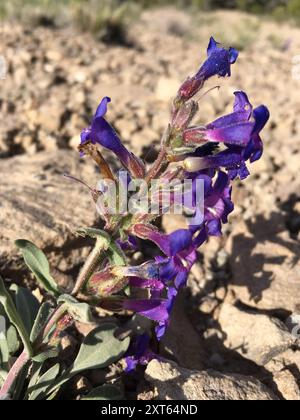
column 89, row 268
column 14, row 373
column 156, row 166
column 55, row 317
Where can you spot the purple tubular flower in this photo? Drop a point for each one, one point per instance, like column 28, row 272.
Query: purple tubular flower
column 155, row 309
column 218, row 63
column 161, row 328
column 233, row 129
column 101, row 132
column 169, row 244
column 217, row 207
column 139, row 353
column 245, row 143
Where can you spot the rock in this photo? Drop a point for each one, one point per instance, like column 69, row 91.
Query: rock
column 175, row 383
column 256, row 337
column 287, row 385
column 285, row 370
column 265, row 265
column 37, row 203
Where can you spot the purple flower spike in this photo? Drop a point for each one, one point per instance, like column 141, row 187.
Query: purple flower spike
column 101, row 132
column 218, row 63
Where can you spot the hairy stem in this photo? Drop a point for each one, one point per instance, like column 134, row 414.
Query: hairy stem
column 156, row 166
column 14, row 373
column 55, row 317
column 90, row 266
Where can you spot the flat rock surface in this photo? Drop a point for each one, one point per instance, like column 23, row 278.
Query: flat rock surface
column 175, row 383
column 39, row 204
column 265, row 264
column 256, row 337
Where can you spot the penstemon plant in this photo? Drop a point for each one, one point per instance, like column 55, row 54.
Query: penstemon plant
column 205, row 160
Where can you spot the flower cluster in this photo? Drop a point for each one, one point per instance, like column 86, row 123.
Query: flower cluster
column 216, row 154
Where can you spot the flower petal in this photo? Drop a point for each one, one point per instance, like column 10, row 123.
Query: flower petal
column 155, row 309
column 237, row 134
column 102, row 108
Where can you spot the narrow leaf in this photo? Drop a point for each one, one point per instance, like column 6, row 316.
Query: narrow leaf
column 37, row 262
column 15, row 319
column 42, row 317
column 27, row 306
column 50, row 353
column 116, row 255
column 95, row 234
column 13, row 341
column 39, row 390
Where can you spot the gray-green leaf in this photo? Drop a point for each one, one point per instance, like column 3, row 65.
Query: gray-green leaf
column 41, row 319
column 79, row 311
column 14, row 317
column 105, row 392
column 39, row 390
column 95, row 234
column 50, row 353
column 27, row 306
column 36, row 260
column 99, row 349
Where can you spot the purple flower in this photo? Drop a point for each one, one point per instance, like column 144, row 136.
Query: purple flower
column 101, row 132
column 139, row 353
column 162, row 326
column 219, row 63
column 169, row 244
column 173, row 271
column 245, row 143
column 155, row 309
column 217, row 205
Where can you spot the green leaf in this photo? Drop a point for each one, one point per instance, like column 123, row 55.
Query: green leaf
column 20, row 381
column 50, row 353
column 116, row 255
column 95, row 234
column 105, row 392
column 27, row 305
column 37, row 262
column 42, row 317
column 9, row 340
column 14, row 317
column 39, row 390
column 4, row 350
column 35, row 375
column 99, row 349
column 79, row 311
column 13, row 341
